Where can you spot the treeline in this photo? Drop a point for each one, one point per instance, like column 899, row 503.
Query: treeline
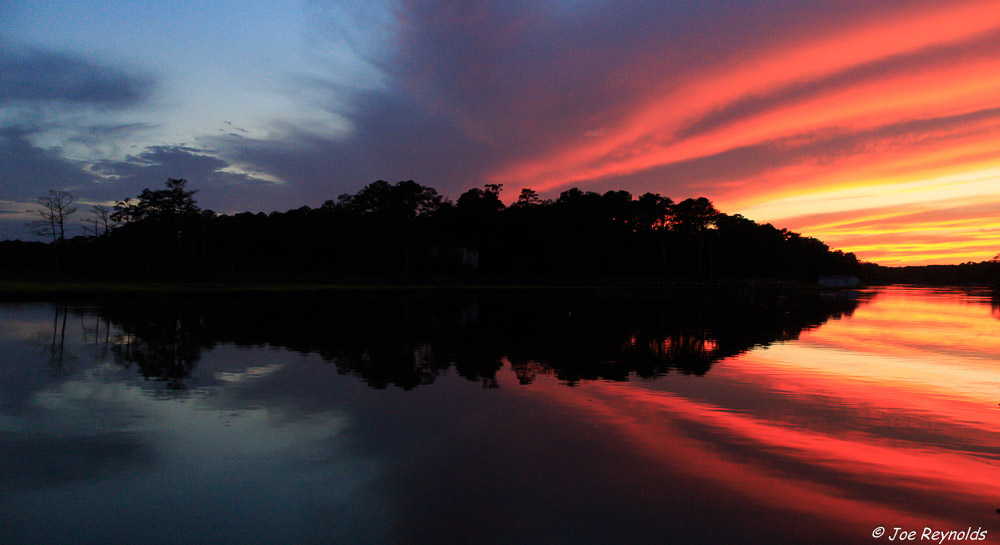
column 969, row 273
column 407, row 229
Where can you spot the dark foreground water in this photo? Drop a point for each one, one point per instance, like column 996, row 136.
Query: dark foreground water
column 502, row 418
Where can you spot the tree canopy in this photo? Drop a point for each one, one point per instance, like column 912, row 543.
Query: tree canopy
column 406, row 228
column 401, row 200
column 169, row 204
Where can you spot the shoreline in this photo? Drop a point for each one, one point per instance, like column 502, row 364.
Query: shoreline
column 19, row 289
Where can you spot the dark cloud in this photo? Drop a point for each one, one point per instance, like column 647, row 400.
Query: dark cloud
column 394, row 139
column 219, row 189
column 36, row 75
column 474, row 86
column 527, row 75
column 110, row 132
column 28, row 170
column 160, row 162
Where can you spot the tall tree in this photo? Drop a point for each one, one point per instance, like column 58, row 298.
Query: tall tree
column 652, row 212
column 125, row 211
column 168, row 204
column 527, row 198
column 54, row 209
column 481, row 201
column 99, row 220
column 164, row 223
column 401, row 200
column 694, row 215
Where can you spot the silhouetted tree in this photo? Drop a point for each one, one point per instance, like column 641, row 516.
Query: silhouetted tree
column 481, row 201
column 125, row 211
column 652, row 211
column 403, row 200
column 54, row 209
column 694, row 215
column 98, row 221
column 477, row 223
column 528, row 197
column 388, row 223
column 161, row 226
column 159, row 205
column 407, row 228
column 651, row 216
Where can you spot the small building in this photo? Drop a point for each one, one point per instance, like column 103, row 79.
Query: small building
column 834, row 281
column 451, row 254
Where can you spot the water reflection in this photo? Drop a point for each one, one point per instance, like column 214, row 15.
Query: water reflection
column 408, row 341
column 890, row 416
column 690, row 419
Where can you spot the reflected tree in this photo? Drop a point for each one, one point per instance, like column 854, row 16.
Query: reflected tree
column 57, row 347
column 163, row 340
column 409, row 341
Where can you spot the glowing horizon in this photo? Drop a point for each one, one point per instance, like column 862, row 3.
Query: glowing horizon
column 914, row 100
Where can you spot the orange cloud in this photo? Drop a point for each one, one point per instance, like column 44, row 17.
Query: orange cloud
column 901, row 106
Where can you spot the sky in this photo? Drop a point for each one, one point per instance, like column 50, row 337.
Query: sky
column 873, row 126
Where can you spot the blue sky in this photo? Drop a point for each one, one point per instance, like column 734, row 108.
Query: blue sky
column 104, row 98
column 871, row 125
column 213, row 65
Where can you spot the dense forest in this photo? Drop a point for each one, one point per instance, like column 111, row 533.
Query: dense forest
column 410, row 230
column 969, row 273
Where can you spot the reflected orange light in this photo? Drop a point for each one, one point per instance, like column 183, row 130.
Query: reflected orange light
column 865, row 406
column 645, row 419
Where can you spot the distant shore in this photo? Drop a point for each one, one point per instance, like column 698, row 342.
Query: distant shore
column 22, row 288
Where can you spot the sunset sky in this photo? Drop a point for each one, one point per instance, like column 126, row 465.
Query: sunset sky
column 873, row 126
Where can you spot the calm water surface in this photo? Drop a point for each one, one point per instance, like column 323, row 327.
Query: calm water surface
column 506, row 418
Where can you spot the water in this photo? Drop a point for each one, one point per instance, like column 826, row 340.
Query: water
column 501, row 418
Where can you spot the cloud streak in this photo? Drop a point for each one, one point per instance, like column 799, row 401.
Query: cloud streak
column 789, row 92
column 910, row 97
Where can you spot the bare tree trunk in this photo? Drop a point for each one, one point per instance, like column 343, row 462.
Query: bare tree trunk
column 56, row 208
